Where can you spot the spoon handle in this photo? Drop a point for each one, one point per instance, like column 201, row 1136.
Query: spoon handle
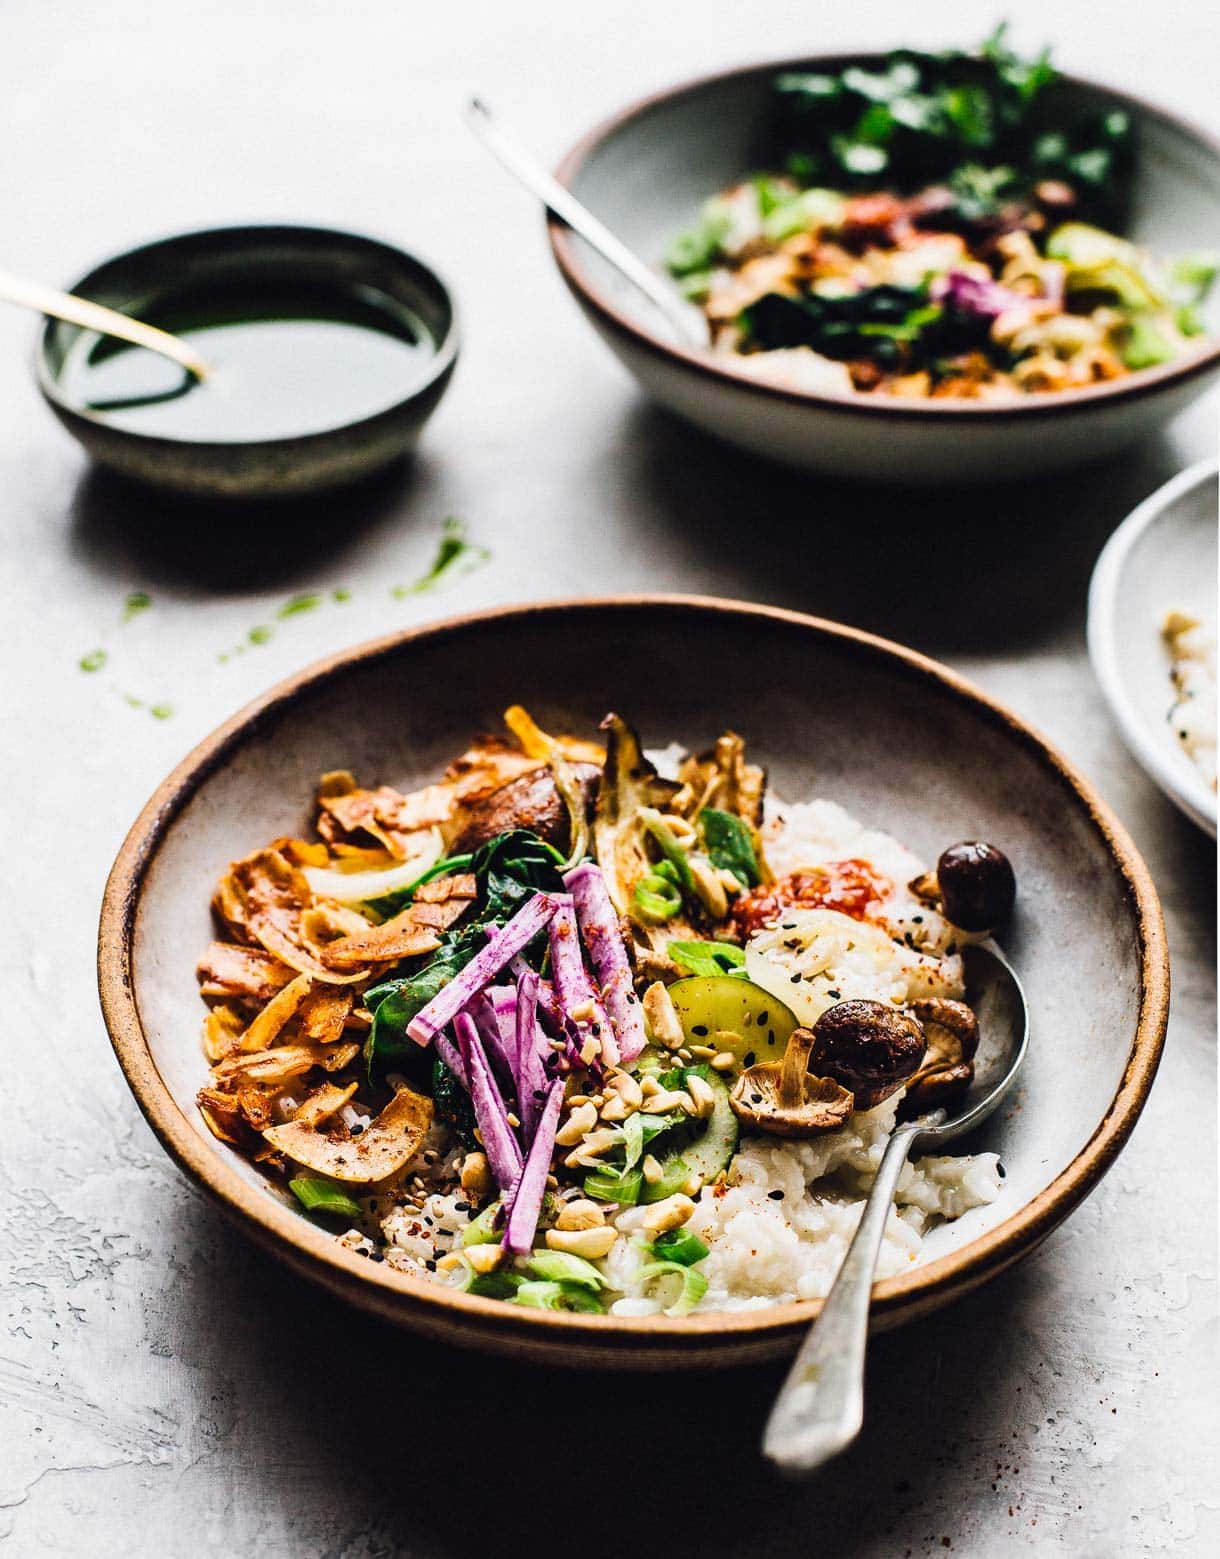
column 95, row 316
column 563, row 204
column 820, row 1408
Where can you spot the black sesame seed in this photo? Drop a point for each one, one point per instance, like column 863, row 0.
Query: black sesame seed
column 770, row 1036
column 749, row 1058
column 376, row 1255
column 700, row 1029
column 788, row 925
column 756, row 1098
column 356, row 1130
column 835, row 994
column 796, row 979
column 431, row 1265
column 461, row 1207
column 361, row 1251
column 917, row 920
column 776, row 1196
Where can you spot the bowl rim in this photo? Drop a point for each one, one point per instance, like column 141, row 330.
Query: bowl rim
column 440, row 365
column 609, row 1341
column 1097, row 397
column 1168, row 767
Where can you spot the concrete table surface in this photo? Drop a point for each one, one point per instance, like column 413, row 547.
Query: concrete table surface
column 164, row 1389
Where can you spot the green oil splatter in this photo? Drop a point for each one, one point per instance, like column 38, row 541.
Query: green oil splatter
column 454, row 555
column 261, row 635
column 161, row 711
column 341, row 595
column 138, row 601
column 299, row 604
column 93, row 661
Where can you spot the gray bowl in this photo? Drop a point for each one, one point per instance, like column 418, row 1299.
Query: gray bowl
column 903, row 742
column 647, row 171
column 261, row 468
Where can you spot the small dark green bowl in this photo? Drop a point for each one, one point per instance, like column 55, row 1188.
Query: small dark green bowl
column 263, row 468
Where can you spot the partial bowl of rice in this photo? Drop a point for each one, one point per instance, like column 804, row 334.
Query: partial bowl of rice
column 571, row 1017
column 1152, row 636
column 912, row 267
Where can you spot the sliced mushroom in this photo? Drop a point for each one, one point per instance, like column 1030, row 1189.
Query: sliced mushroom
column 529, row 801
column 869, row 1048
column 973, row 885
column 784, row 1099
column 385, row 1145
column 952, row 1033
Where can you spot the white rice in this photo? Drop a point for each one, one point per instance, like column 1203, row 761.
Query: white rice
column 766, row 1249
column 1193, row 716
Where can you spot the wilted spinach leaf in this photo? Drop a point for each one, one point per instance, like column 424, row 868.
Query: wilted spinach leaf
column 730, row 845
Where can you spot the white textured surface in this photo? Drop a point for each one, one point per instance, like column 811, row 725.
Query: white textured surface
column 165, row 1390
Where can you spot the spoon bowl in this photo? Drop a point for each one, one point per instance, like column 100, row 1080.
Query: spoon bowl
column 820, row 1408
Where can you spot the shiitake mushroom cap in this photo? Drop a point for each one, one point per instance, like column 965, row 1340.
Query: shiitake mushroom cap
column 868, row 1047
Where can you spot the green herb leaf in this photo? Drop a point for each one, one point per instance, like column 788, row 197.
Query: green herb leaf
column 730, row 844
column 138, row 601
column 93, row 661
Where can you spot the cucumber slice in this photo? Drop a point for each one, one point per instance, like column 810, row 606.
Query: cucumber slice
column 734, row 1015
column 709, row 1153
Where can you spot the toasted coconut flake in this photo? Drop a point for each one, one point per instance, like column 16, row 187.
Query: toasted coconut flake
column 229, row 904
column 386, row 815
column 324, row 1014
column 222, row 1031
column 282, row 1006
column 302, row 853
column 285, row 1061
column 277, row 895
column 212, row 1121
column 385, row 1146
column 414, row 931
column 324, row 1103
column 230, row 969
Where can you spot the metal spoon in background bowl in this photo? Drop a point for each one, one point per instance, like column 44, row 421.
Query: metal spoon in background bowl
column 683, row 318
column 820, row 1408
column 95, row 316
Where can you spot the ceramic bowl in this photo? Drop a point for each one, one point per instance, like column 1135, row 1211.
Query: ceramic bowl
column 1162, row 556
column 899, row 739
column 197, row 263
column 647, row 171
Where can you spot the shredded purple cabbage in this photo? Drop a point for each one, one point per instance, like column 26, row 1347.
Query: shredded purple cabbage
column 519, row 932
column 532, row 1047
column 525, row 1202
column 573, row 988
column 490, row 1111
column 599, row 927
column 973, row 295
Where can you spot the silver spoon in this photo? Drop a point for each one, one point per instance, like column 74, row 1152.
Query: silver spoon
column 682, row 316
column 820, row 1408
column 96, row 316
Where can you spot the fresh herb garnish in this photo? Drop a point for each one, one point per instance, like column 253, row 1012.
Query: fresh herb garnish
column 138, row 601
column 300, row 603
column 93, row 661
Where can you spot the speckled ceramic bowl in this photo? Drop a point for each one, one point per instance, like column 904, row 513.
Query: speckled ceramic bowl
column 647, row 171
column 197, row 263
column 901, row 741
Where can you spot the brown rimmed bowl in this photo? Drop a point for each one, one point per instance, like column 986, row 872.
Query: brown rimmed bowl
column 897, row 738
column 647, row 171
